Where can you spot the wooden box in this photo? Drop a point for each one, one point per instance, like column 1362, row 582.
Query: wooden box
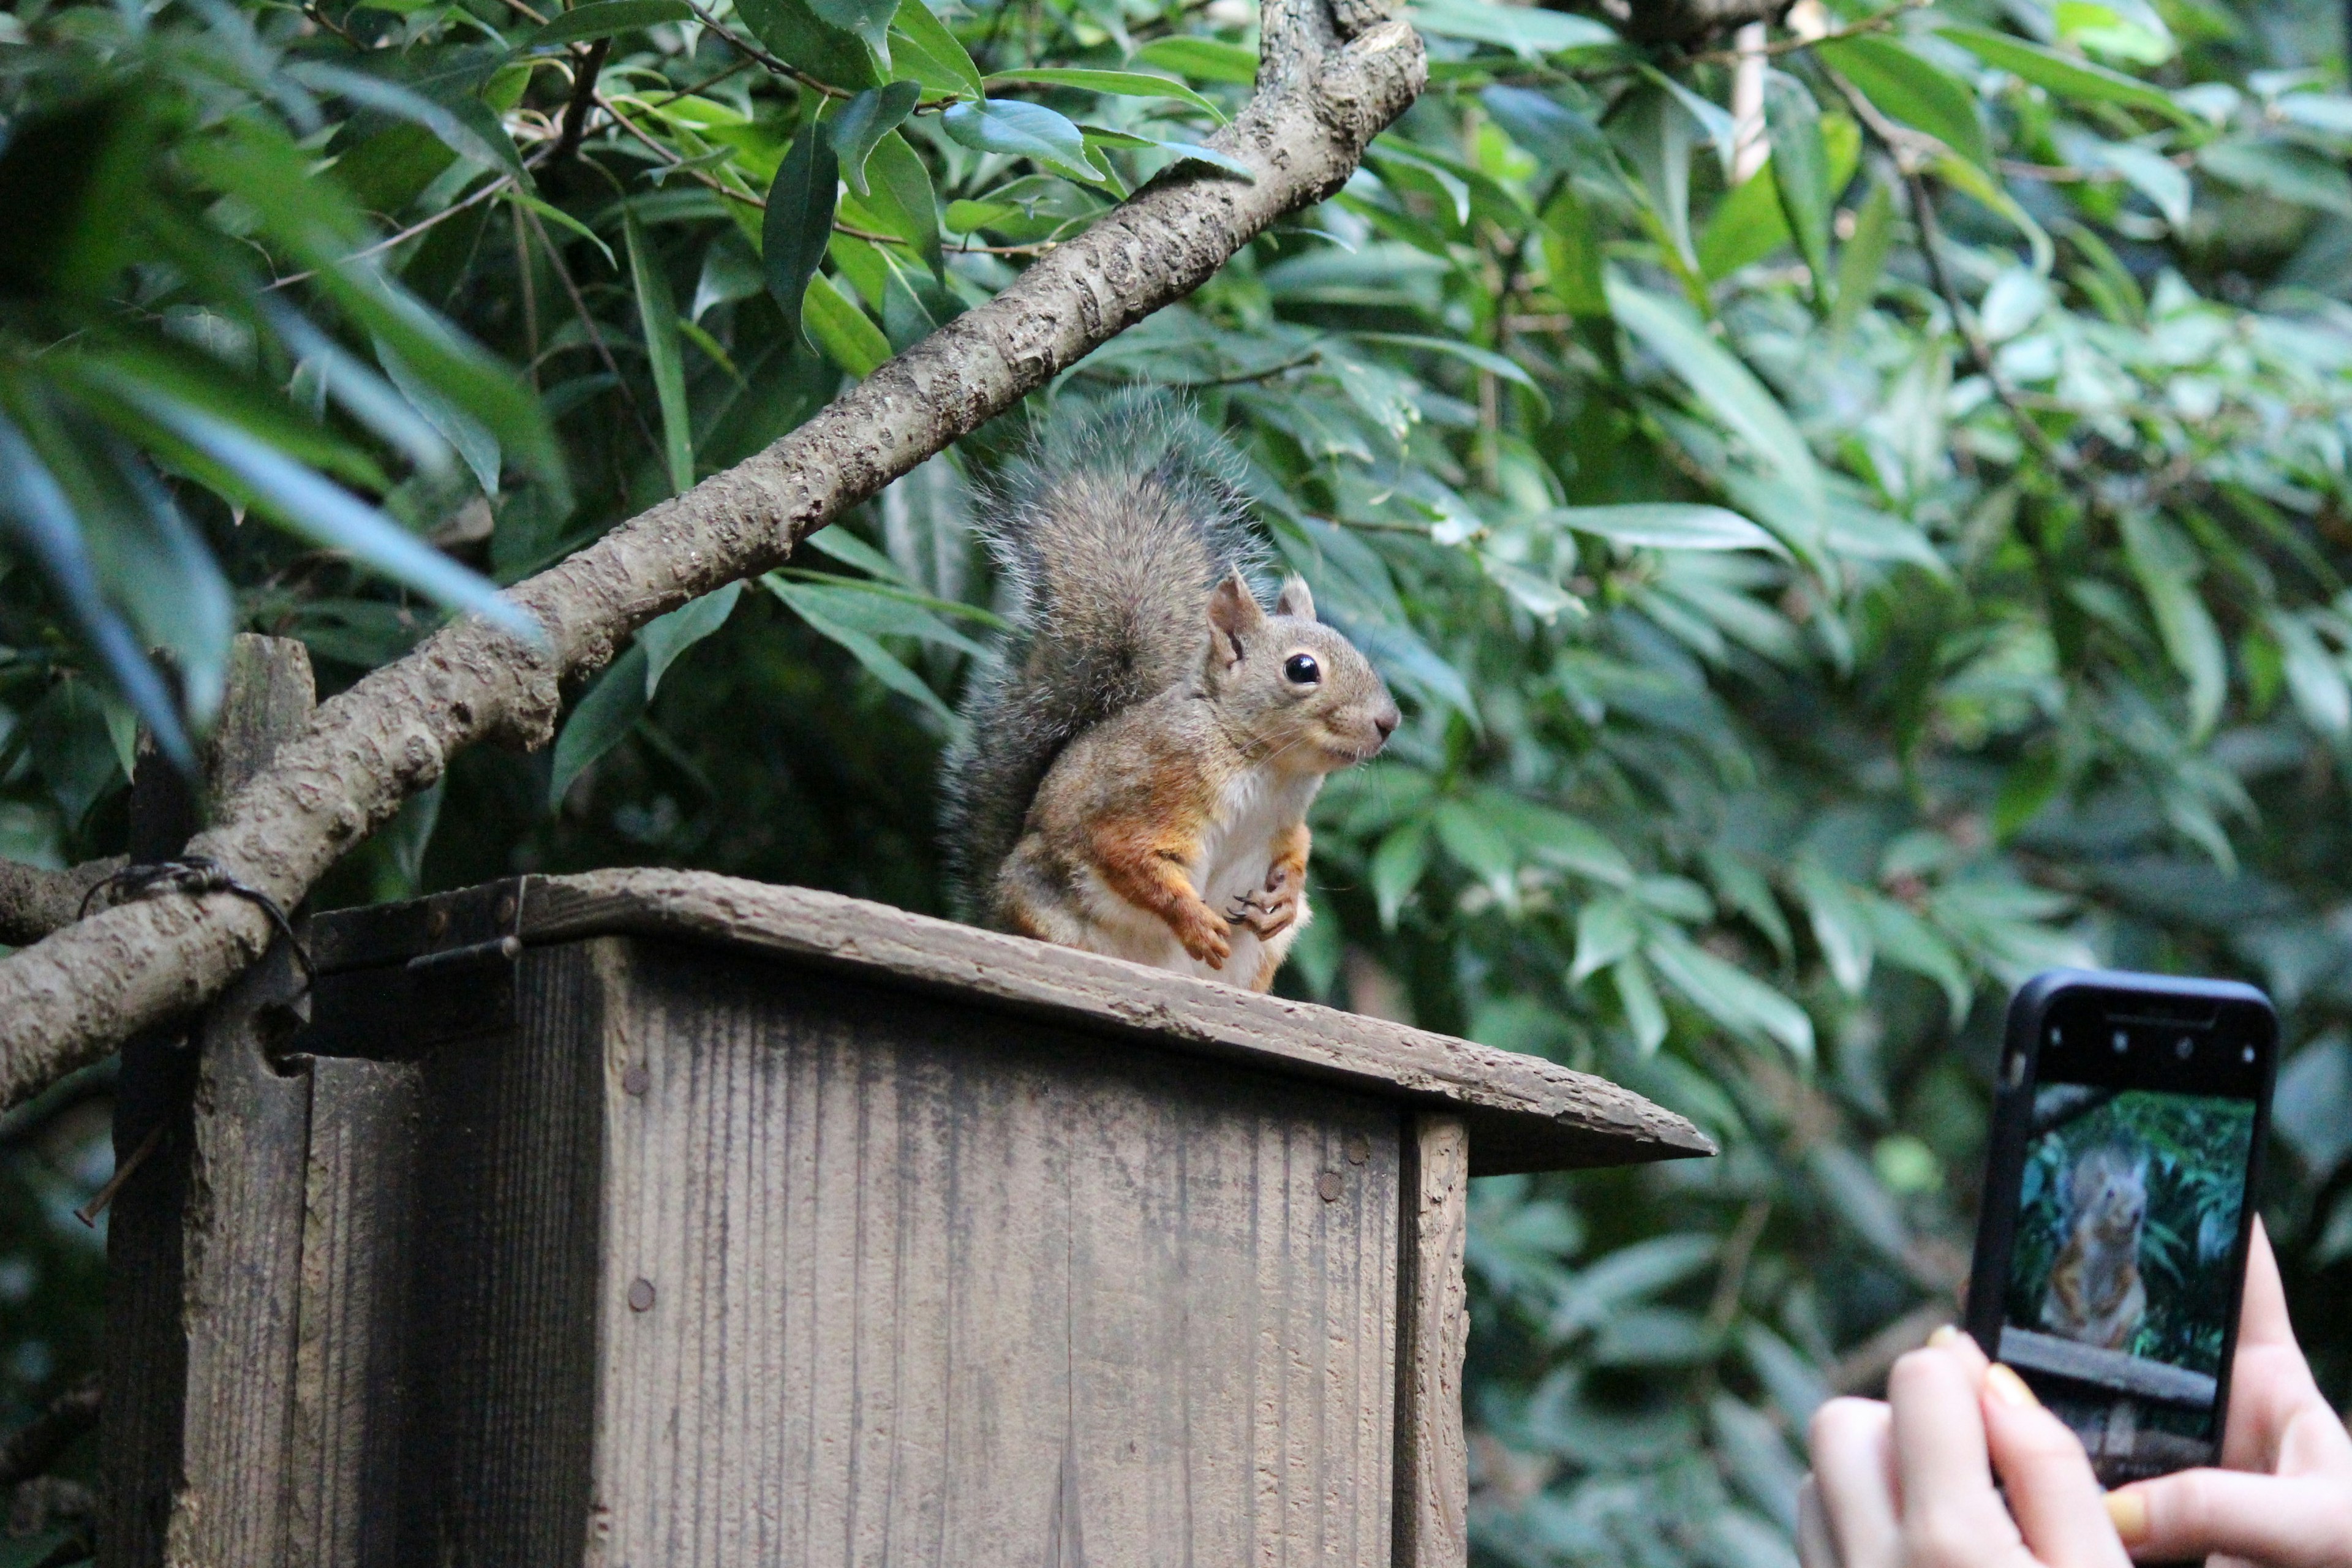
column 659, row 1219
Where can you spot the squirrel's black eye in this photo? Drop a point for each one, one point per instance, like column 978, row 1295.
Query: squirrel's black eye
column 1302, row 669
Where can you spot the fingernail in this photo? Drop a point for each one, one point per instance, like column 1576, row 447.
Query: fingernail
column 1944, row 1336
column 2007, row 1387
column 2128, row 1509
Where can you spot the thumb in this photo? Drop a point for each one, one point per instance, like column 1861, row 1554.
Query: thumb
column 2283, row 1521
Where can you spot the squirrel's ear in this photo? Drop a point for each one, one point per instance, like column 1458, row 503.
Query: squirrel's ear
column 1296, row 599
column 1234, row 612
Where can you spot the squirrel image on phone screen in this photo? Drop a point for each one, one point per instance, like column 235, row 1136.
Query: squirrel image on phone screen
column 1139, row 759
column 2095, row 1292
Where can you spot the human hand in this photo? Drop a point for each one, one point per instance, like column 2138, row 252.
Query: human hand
column 1909, row 1483
column 2285, row 1498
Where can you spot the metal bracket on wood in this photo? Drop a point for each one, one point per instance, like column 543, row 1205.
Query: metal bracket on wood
column 399, row 981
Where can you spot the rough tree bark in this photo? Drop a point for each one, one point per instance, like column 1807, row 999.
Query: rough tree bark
column 1332, row 74
column 35, row 902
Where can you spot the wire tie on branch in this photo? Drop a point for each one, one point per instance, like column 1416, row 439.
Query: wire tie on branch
column 195, row 876
column 87, row 1213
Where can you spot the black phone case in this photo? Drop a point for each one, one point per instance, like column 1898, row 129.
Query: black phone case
column 2012, row 1120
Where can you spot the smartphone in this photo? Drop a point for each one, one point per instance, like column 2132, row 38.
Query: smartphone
column 2119, row 1204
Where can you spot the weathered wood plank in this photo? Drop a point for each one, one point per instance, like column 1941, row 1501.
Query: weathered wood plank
column 352, row 1345
column 881, row 1287
column 1524, row 1113
column 1433, row 1494
column 206, row 1237
column 2113, row 1371
column 502, row 1295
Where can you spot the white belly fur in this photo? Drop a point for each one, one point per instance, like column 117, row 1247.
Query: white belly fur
column 1236, row 852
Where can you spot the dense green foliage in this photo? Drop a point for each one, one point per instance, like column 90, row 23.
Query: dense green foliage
column 1818, row 599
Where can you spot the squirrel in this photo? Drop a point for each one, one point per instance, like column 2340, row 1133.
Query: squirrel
column 2095, row 1292
column 1138, row 756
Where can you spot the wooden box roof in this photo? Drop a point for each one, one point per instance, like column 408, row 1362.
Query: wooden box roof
column 1524, row 1113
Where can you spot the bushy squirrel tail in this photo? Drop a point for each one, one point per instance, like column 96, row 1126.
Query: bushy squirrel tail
column 1108, row 535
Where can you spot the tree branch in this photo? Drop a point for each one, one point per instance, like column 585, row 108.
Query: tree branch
column 32, row 1448
column 1331, row 75
column 34, row 902
column 1688, row 21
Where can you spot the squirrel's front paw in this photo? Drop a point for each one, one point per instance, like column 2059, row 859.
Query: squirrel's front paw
column 1204, row 938
column 1268, row 917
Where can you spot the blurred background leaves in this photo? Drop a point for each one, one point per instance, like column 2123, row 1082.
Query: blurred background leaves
column 1853, row 516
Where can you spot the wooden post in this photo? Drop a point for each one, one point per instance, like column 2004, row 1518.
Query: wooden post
column 1433, row 1460
column 203, row 1241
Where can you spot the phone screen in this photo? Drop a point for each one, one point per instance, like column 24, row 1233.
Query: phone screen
column 2127, row 1249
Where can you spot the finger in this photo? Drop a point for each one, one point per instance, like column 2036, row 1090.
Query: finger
column 2262, row 1321
column 1951, row 1514
column 2053, row 1494
column 1854, row 1467
column 1815, row 1547
column 1952, row 1342
column 2299, row 1522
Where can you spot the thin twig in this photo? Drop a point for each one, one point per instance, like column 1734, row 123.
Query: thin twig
column 521, row 9
column 530, row 292
column 752, row 51
column 411, row 232
column 583, row 93
column 737, row 69
column 1931, row 246
column 588, row 324
column 669, row 155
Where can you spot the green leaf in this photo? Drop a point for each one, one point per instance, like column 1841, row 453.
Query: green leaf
column 1608, row 928
column 470, row 438
column 1655, row 135
column 563, row 219
column 463, row 125
column 1666, row 525
column 1493, row 364
column 2068, row 76
column 1730, row 995
column 600, row 720
column 1801, row 170
column 943, row 61
column 1023, row 129
column 1906, row 941
column 1573, row 254
column 847, row 337
column 603, row 18
column 869, row 20
column 1864, row 259
column 2314, row 680
column 1481, row 847
column 1722, row 383
column 665, row 637
column 1397, row 868
column 2167, row 565
column 1926, row 97
column 1746, row 225
column 657, row 314
column 900, row 202
column 876, row 660
column 325, row 514
column 798, row 224
column 863, row 122
column 1201, row 60
column 1523, row 29
column 1185, row 152
column 39, row 518
column 2283, row 171
column 1551, row 837
column 801, row 38
column 1840, row 926
column 1122, row 84
column 1638, row 995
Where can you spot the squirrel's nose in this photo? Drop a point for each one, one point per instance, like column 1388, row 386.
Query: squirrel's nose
column 1386, row 721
